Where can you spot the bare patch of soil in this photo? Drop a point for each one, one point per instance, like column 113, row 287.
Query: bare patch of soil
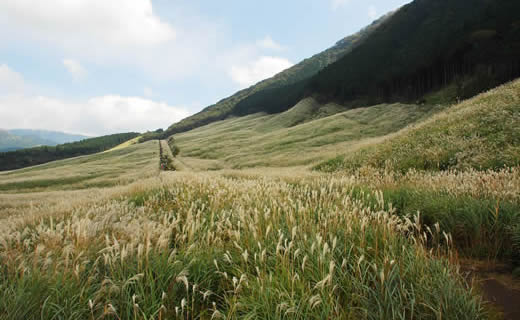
column 498, row 287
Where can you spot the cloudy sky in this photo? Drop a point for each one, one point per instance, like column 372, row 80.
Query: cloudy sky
column 98, row 67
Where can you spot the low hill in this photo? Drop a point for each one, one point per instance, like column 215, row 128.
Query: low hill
column 284, row 139
column 117, row 167
column 480, row 133
column 34, row 156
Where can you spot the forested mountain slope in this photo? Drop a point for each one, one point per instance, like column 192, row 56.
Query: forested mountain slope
column 452, row 49
column 294, row 75
column 457, row 47
column 425, row 46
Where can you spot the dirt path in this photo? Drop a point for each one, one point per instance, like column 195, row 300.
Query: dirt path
column 506, row 299
column 166, row 149
column 166, row 152
column 498, row 287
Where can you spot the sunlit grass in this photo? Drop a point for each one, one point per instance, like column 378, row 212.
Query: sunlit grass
column 105, row 169
column 230, row 245
column 278, row 140
column 480, row 133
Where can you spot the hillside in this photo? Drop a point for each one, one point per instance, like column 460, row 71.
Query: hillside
column 299, row 136
column 101, row 170
column 480, row 133
column 425, row 46
column 10, row 141
column 294, row 75
column 34, row 156
column 428, row 51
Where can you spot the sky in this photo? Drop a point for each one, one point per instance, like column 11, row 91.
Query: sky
column 98, row 67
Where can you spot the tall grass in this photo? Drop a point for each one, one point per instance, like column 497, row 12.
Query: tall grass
column 480, row 133
column 207, row 246
column 480, row 209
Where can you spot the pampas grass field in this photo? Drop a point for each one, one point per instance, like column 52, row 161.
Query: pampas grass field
column 110, row 236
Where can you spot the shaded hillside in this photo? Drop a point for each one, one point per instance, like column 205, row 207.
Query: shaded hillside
column 34, row 156
column 457, row 48
column 427, row 45
column 288, row 78
column 9, row 141
column 480, row 133
column 449, row 49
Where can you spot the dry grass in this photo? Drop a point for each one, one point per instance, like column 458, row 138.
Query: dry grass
column 480, row 133
column 285, row 140
column 112, row 168
column 234, row 244
column 264, row 242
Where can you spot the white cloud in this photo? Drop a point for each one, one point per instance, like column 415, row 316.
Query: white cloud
column 269, row 43
column 75, row 23
column 11, row 82
column 95, row 116
column 116, row 34
column 75, row 69
column 336, row 4
column 372, row 12
column 260, row 69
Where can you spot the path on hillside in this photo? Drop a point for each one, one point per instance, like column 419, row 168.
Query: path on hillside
column 166, row 156
column 179, row 165
column 498, row 287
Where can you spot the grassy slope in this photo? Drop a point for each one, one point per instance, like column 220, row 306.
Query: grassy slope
column 39, row 155
column 282, row 140
column 125, row 144
column 147, row 243
column 480, row 133
column 111, row 168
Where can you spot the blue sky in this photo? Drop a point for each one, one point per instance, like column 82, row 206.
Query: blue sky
column 97, row 67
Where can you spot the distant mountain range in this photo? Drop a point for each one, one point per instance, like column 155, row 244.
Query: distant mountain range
column 16, row 139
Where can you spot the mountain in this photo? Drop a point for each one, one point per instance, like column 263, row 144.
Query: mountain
column 16, row 139
column 428, row 51
column 10, row 142
column 294, row 75
column 426, row 46
column 39, row 155
column 55, row 137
